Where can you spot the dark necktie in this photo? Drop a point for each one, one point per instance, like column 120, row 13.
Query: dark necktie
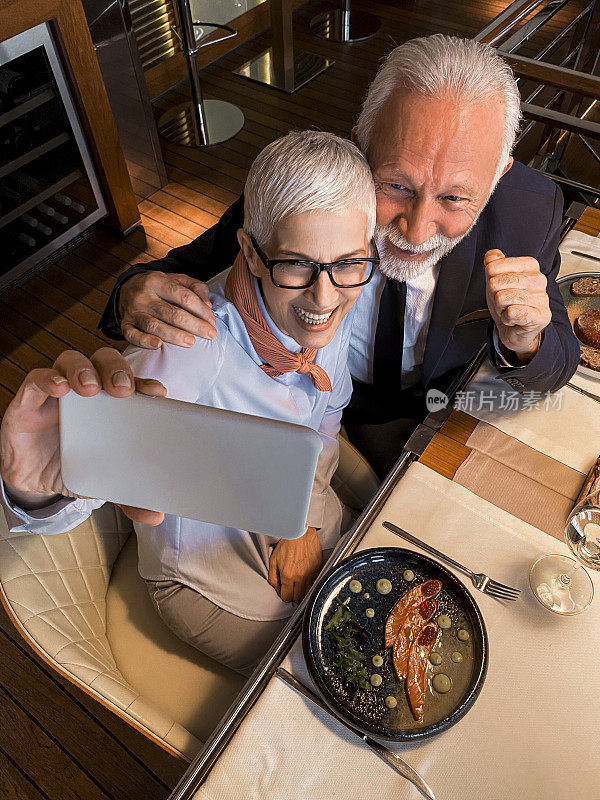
column 389, row 337
column 380, row 401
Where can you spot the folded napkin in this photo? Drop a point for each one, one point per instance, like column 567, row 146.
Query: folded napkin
column 575, row 240
column 564, row 426
column 531, row 734
column 588, row 384
column 526, row 483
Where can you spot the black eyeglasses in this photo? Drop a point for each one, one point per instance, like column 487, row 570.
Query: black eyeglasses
column 293, row 273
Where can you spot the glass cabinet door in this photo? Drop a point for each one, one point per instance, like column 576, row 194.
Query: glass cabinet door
column 49, row 191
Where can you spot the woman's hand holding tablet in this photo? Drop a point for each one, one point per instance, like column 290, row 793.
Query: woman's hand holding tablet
column 29, row 437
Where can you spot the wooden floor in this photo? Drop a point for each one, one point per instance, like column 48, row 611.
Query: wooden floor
column 55, row 742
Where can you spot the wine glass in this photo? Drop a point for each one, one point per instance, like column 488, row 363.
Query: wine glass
column 559, row 582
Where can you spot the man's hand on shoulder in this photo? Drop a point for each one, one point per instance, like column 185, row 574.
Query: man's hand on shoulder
column 518, row 302
column 157, row 307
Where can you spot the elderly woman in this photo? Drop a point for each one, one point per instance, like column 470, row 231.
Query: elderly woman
column 283, row 319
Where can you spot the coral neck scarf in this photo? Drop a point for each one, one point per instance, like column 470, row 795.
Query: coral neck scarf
column 239, row 289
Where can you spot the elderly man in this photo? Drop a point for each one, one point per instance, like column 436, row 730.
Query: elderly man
column 468, row 240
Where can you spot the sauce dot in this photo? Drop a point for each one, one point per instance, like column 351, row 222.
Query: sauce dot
column 441, row 683
column 444, row 621
column 456, row 657
column 463, row 635
column 377, row 661
column 408, row 575
column 355, row 586
column 435, row 659
column 391, row 701
column 370, row 612
column 384, row 586
column 376, row 679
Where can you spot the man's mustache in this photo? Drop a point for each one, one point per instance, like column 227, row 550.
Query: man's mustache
column 392, row 234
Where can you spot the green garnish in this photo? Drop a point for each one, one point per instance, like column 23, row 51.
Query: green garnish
column 343, row 627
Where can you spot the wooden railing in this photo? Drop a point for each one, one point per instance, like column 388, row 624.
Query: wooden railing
column 577, row 89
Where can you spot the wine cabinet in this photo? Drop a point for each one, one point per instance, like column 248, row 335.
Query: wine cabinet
column 49, row 190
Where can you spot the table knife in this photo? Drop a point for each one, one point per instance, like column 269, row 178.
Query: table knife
column 585, row 255
column 583, row 391
column 381, row 750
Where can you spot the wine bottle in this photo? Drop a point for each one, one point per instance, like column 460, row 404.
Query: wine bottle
column 24, row 180
column 27, row 239
column 13, row 85
column 53, row 213
column 21, row 140
column 62, row 198
column 69, row 203
column 35, row 223
column 7, row 145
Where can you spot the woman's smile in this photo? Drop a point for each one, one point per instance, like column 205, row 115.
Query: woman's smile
column 311, row 319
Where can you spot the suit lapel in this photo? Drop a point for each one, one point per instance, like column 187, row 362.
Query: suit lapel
column 452, row 285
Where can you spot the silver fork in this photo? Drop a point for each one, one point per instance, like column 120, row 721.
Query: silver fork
column 480, row 581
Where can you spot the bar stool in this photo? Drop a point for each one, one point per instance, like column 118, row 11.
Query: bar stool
column 343, row 25
column 199, row 122
column 279, row 65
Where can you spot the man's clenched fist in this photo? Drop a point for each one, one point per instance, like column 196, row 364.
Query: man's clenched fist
column 518, row 302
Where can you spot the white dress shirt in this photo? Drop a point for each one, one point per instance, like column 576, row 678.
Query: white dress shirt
column 228, row 566
column 420, row 292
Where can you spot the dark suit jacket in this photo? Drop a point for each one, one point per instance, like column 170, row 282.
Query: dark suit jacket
column 522, row 218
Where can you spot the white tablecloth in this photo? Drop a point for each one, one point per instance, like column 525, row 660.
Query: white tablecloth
column 532, row 733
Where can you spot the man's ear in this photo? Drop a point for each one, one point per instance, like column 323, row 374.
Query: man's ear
column 248, row 251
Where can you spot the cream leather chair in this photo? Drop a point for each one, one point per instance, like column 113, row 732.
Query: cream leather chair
column 79, row 602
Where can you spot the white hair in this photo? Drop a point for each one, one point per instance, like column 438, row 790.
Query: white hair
column 437, row 66
column 306, row 171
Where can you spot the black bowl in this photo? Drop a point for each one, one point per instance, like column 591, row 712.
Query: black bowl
column 365, row 709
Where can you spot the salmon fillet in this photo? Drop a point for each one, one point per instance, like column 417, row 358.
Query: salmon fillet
column 413, row 597
column 415, row 619
column 417, row 667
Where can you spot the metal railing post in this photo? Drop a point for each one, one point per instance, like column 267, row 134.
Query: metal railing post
column 279, row 66
column 344, row 25
column 199, row 122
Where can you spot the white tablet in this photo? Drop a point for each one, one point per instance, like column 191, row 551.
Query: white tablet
column 190, row 460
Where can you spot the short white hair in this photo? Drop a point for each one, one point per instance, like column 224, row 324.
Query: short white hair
column 306, row 171
column 441, row 66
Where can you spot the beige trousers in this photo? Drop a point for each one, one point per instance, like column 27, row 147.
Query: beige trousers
column 234, row 641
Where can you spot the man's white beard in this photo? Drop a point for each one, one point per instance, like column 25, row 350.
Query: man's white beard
column 399, row 269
